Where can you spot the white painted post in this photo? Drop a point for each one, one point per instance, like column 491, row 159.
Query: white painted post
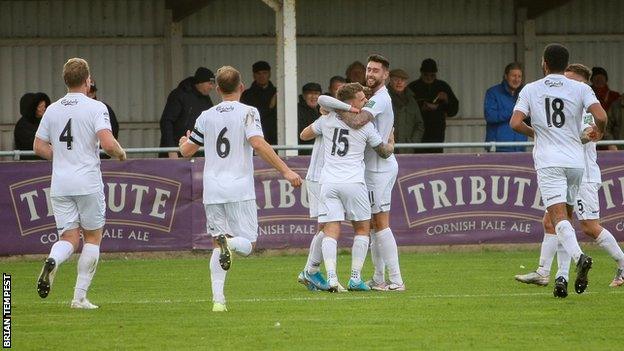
column 289, row 90
column 173, row 51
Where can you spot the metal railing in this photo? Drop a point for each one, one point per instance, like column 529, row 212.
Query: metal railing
column 491, row 145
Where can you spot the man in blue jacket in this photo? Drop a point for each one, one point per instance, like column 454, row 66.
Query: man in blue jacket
column 498, row 108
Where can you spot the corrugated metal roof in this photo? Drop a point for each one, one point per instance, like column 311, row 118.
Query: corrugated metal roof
column 78, row 18
column 582, row 17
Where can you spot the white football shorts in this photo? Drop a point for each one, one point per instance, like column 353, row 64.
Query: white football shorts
column 380, row 186
column 233, row 218
column 85, row 211
column 559, row 185
column 314, row 195
column 340, row 201
column 587, row 205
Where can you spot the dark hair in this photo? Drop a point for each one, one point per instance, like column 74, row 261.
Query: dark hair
column 335, row 79
column 348, row 91
column 556, row 57
column 579, row 69
column 353, row 65
column 512, row 66
column 378, row 58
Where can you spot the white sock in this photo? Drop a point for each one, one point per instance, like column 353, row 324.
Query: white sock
column 378, row 263
column 567, row 237
column 240, row 245
column 61, row 251
column 87, row 263
column 315, row 256
column 330, row 250
column 217, row 277
column 547, row 253
column 358, row 256
column 563, row 262
column 609, row 244
column 390, row 255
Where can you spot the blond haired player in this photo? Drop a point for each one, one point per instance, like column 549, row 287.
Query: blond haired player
column 230, row 132
column 70, row 133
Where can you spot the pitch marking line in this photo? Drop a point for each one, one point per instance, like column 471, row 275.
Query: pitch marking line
column 333, row 298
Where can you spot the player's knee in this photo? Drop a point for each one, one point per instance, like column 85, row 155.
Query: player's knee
column 548, row 225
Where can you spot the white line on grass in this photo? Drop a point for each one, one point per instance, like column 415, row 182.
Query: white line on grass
column 333, row 297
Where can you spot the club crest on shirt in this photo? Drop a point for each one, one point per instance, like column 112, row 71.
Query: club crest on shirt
column 370, row 104
column 553, row 83
column 251, row 118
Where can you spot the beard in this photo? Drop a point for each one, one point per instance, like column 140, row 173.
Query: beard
column 374, row 84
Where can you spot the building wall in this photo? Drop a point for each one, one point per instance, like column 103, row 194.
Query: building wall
column 123, row 40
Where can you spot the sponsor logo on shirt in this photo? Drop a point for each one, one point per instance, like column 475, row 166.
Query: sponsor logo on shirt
column 553, row 83
column 222, row 109
column 69, row 102
column 370, row 104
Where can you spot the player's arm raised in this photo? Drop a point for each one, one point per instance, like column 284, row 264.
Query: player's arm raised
column 268, row 154
column 110, row 145
column 352, row 117
column 42, row 149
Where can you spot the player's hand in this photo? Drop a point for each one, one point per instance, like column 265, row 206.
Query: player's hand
column 293, row 178
column 184, row 139
column 354, row 110
column 123, row 156
column 595, row 134
column 323, row 111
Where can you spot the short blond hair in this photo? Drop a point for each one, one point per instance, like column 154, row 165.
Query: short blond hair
column 75, row 72
column 579, row 69
column 348, row 91
column 228, row 79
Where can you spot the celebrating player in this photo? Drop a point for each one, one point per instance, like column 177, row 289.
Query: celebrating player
column 380, row 174
column 70, row 133
column 556, row 105
column 587, row 208
column 343, row 187
column 230, row 132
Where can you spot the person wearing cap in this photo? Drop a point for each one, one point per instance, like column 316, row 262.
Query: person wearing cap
column 408, row 122
column 308, row 110
column 498, row 107
column 184, row 104
column 437, row 102
column 92, row 93
column 262, row 95
column 606, row 96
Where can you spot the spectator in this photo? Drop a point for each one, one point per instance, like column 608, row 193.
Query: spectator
column 113, row 118
column 356, row 73
column 184, row 104
column 436, row 101
column 32, row 107
column 498, row 108
column 308, row 110
column 599, row 81
column 615, row 123
column 408, row 122
column 335, row 83
column 262, row 95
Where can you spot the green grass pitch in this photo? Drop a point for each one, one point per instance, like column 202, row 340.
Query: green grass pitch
column 454, row 301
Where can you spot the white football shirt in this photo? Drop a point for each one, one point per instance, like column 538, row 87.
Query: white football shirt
column 70, row 125
column 344, row 149
column 316, row 160
column 380, row 106
column 556, row 105
column 224, row 131
column 592, row 170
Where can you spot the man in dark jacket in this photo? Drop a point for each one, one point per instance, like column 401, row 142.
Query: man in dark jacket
column 32, row 107
column 408, row 122
column 308, row 110
column 262, row 95
column 498, row 108
column 436, row 101
column 184, row 104
column 113, row 118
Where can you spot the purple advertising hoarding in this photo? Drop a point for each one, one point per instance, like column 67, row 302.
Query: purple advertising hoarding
column 437, row 200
